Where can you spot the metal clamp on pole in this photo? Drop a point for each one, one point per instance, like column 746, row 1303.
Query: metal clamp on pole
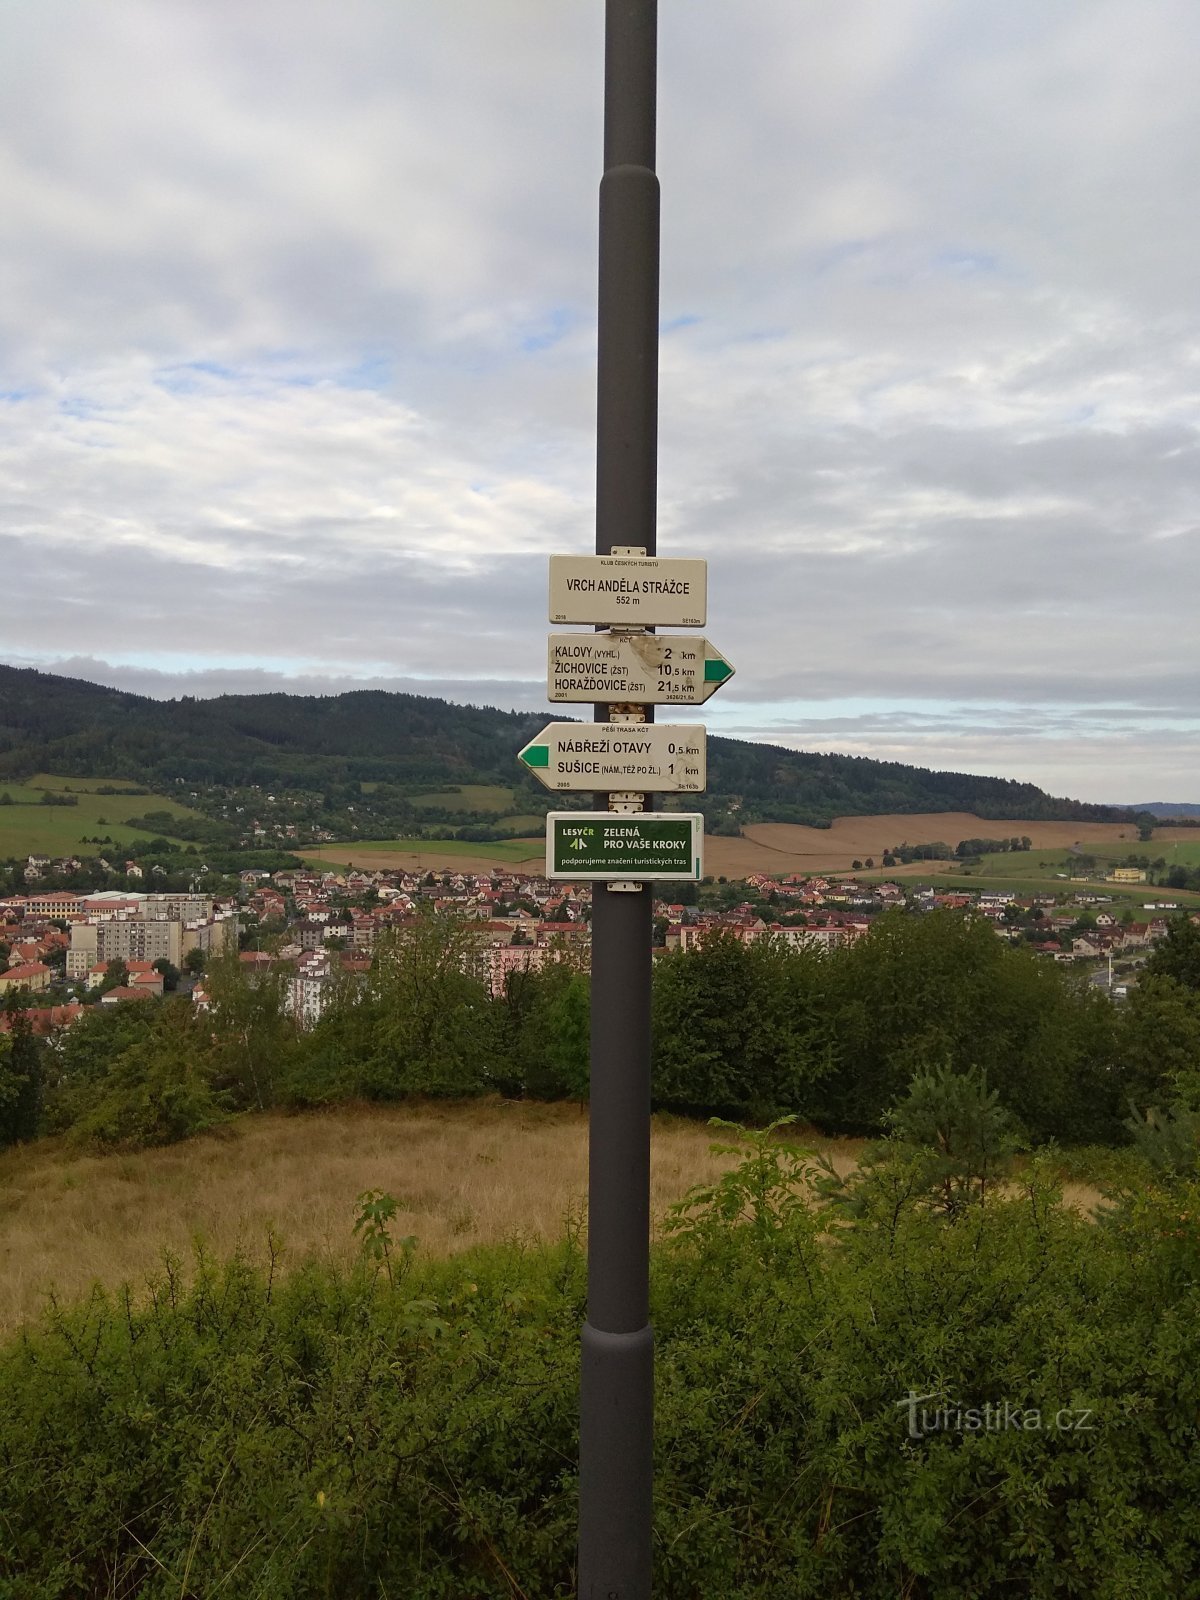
column 630, row 803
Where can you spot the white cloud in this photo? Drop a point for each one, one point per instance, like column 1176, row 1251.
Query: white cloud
column 297, row 355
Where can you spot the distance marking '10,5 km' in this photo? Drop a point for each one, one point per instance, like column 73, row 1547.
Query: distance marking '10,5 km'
column 679, row 669
column 605, row 756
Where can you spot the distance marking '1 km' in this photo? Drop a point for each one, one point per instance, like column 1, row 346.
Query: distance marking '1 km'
column 665, row 669
column 629, row 591
column 606, row 845
column 606, row 756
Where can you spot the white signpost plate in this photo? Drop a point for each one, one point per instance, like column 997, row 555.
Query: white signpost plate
column 641, row 757
column 644, row 668
column 629, row 591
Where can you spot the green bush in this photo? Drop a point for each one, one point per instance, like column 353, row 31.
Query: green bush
column 750, row 1031
column 410, row 1430
column 135, row 1075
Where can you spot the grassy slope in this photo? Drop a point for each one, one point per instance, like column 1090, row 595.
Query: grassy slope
column 464, row 1174
column 406, row 851
column 768, row 848
column 27, row 828
column 1047, row 864
column 1028, row 872
column 484, row 797
column 1132, row 895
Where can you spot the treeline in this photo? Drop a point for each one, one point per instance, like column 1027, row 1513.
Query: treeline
column 809, row 787
column 964, row 850
column 276, row 741
column 746, row 1031
column 170, row 868
column 196, row 830
column 310, row 743
column 46, row 798
column 937, row 850
column 987, row 847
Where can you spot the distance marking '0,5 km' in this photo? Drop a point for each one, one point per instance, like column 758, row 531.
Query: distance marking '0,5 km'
column 659, row 757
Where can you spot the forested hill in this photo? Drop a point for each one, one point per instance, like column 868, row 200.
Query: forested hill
column 51, row 724
column 281, row 741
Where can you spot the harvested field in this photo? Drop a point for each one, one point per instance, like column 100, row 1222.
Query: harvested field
column 774, row 847
column 783, row 847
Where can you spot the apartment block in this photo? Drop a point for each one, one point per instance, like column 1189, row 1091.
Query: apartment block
column 144, row 939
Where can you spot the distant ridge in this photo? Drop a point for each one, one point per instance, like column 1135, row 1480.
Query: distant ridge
column 1169, row 808
column 307, row 743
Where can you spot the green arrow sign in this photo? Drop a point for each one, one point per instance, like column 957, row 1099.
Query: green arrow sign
column 656, row 757
column 664, row 669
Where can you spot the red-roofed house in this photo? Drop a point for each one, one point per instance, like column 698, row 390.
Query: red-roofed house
column 121, row 992
column 29, row 975
column 44, row 1019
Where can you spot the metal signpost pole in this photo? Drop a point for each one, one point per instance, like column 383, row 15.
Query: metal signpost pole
column 617, row 1401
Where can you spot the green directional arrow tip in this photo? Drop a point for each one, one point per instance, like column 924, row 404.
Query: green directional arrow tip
column 716, row 669
column 536, row 755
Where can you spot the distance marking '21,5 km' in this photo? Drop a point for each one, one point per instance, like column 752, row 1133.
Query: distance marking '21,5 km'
column 663, row 669
column 658, row 757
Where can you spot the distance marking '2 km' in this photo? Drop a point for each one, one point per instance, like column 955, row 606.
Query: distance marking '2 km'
column 664, row 669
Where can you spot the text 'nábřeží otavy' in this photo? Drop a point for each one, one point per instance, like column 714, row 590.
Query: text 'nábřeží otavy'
column 604, row 747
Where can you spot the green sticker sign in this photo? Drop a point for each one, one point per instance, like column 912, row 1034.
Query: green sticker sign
column 604, row 845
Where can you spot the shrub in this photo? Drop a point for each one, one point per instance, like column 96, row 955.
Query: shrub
column 340, row 1434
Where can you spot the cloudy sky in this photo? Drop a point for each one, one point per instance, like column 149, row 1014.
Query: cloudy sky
column 297, row 351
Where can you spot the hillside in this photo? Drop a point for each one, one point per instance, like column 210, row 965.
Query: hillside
column 370, row 764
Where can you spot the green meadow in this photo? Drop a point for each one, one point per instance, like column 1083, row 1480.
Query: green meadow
column 1049, row 865
column 1123, row 894
column 366, row 852
column 29, row 828
column 491, row 798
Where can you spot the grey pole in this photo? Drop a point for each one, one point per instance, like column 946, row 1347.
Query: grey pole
column 617, row 1380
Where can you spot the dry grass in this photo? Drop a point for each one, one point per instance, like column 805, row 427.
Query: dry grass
column 1082, row 1197
column 464, row 1174
column 772, row 847
column 783, row 847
